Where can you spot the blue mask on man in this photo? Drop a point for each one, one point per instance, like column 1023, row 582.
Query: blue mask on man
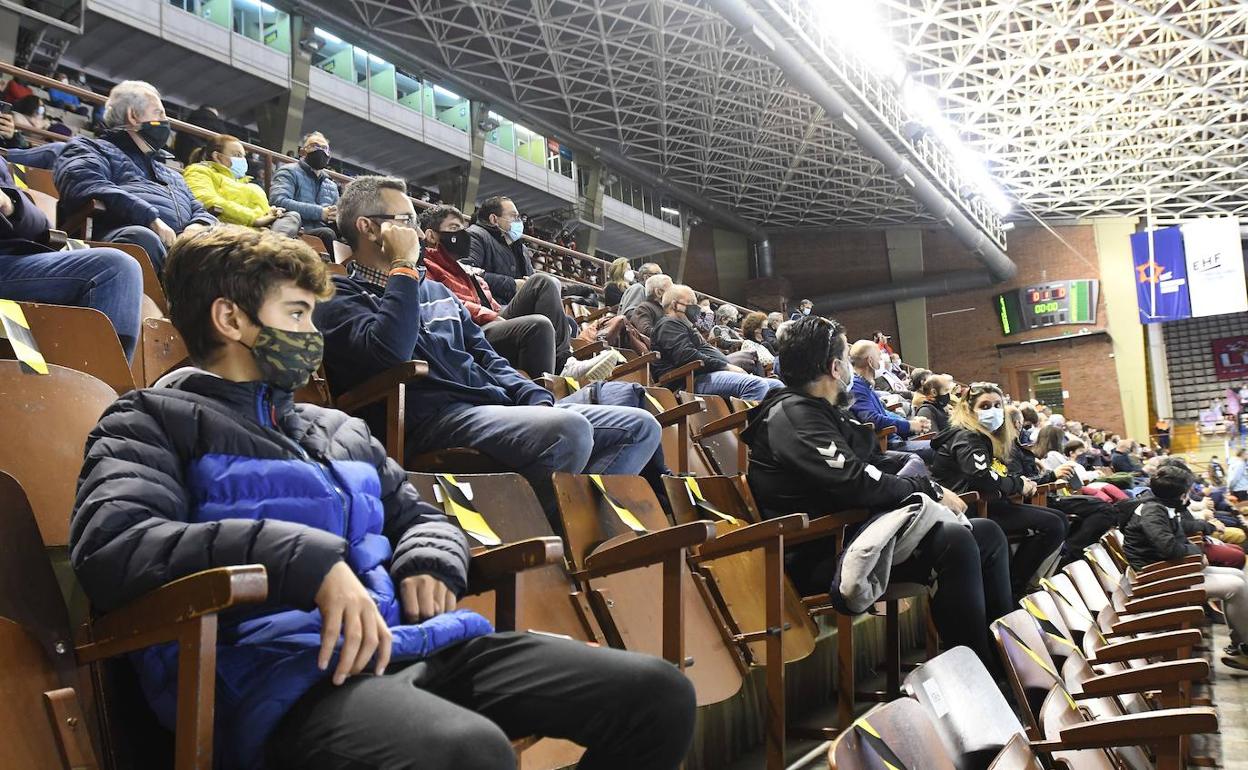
column 516, row 231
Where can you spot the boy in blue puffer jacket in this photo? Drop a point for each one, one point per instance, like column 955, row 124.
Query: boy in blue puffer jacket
column 359, row 657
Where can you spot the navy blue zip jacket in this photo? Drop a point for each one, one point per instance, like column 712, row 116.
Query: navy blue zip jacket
column 369, row 329
column 206, row 473
column 135, row 188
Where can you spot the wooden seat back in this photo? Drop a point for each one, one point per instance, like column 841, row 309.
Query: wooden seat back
column 547, row 601
column 1103, row 567
column 1017, row 755
column 895, row 734
column 41, row 180
column 53, row 413
column 151, row 281
column 161, row 349
column 1059, row 640
column 79, row 338
column 677, row 438
column 1086, row 582
column 45, row 203
column 734, row 580
column 1075, row 614
column 1055, row 714
column 627, row 603
column 714, row 408
column 965, row 705
column 1030, row 670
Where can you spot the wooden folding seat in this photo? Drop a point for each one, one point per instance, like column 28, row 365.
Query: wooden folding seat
column 893, row 735
column 40, row 180
column 714, row 413
column 316, row 245
column 674, row 418
column 78, row 338
column 45, row 203
column 680, row 378
column 1096, row 598
column 161, row 350
column 625, row 556
column 151, row 281
column 1128, row 584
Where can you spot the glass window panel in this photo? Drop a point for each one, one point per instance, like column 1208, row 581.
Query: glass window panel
column 407, row 90
column 450, row 108
column 335, row 57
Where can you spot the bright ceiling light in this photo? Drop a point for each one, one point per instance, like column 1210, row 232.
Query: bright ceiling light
column 856, row 27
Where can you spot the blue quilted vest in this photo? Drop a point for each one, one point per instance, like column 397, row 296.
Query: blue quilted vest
column 267, row 660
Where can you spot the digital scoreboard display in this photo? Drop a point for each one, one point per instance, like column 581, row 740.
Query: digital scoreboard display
column 1048, row 304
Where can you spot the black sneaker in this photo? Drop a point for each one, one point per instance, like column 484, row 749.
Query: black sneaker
column 1236, row 657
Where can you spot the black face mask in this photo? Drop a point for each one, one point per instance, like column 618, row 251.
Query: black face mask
column 317, row 159
column 155, row 133
column 942, row 400
column 457, row 244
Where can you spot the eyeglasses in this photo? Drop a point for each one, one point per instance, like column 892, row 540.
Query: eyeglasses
column 403, row 219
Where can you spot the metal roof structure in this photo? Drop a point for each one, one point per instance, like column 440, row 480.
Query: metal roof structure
column 1081, row 107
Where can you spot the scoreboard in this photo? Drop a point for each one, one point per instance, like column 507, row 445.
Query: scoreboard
column 1048, row 304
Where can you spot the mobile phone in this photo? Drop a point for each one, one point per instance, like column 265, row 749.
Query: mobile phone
column 5, row 108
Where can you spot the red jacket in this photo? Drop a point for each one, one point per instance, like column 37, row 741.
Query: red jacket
column 471, row 290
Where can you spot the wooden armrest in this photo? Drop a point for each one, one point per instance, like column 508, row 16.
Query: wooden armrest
column 969, row 497
column 923, row 436
column 1193, row 597
column 594, row 315
column 1165, row 620
column 380, row 386
column 752, row 536
column 1166, row 586
column 1155, row 676
column 647, row 549
column 886, row 431
column 678, row 413
column 628, row 367
column 504, row 561
column 1195, row 558
column 586, row 352
column 1149, row 728
column 825, row 526
column 154, row 617
column 680, row 372
column 1146, row 646
column 723, row 425
column 1165, row 573
column 75, row 224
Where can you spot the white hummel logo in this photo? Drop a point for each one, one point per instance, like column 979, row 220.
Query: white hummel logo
column 832, row 456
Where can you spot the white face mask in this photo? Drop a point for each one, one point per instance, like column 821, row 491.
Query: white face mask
column 992, row 418
column 629, row 275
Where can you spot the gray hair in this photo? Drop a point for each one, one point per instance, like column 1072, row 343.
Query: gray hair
column 362, row 197
column 126, row 96
column 657, row 285
column 677, row 293
column 303, row 142
column 775, row 319
column 726, row 313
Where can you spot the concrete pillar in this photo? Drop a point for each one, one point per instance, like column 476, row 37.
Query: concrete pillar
column 452, row 187
column 280, row 120
column 9, row 22
column 1159, row 369
column 905, row 262
column 476, row 157
column 1113, row 247
column 591, row 204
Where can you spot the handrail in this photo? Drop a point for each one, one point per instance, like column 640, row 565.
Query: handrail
column 548, row 254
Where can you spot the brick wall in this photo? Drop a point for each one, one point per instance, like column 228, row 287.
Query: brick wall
column 964, row 343
column 827, row 263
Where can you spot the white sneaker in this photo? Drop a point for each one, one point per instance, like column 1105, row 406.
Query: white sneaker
column 597, row 368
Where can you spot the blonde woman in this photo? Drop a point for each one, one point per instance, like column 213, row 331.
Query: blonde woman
column 619, row 278
column 971, row 456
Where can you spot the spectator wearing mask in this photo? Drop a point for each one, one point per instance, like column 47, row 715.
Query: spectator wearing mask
column 498, row 248
column 106, row 280
column 916, row 378
column 304, row 188
column 808, row 454
column 971, row 456
column 620, row 276
column 145, row 202
column 29, row 112
column 769, row 330
column 804, row 309
column 637, row 293
column 891, row 380
column 386, row 312
column 706, row 317
column 1123, row 461
column 1155, row 533
column 678, row 342
column 867, row 407
column 530, row 331
column 217, row 176
column 752, row 339
column 219, row 467
column 64, row 99
column 647, row 313
column 933, row 398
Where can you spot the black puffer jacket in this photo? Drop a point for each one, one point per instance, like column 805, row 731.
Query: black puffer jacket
column 1156, row 533
column 964, row 463
column 503, row 263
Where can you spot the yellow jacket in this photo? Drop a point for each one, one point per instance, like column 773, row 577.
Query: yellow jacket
column 236, row 201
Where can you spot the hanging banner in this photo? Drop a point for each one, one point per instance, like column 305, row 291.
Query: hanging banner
column 1230, row 358
column 1215, row 266
column 1161, row 276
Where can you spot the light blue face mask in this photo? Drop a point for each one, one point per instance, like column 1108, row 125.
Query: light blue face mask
column 516, row 231
column 992, row 418
column 239, row 167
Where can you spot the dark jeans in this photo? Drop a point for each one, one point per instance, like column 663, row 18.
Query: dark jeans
column 327, row 235
column 527, row 342
column 459, row 710
column 1043, row 530
column 542, row 295
column 970, row 574
column 107, row 280
column 146, row 237
column 1092, row 518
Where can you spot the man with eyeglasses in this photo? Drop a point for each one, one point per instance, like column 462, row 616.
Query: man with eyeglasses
column 497, row 247
column 304, row 187
column 387, row 311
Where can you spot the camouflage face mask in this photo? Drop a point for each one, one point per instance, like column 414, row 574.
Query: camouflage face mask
column 287, row 359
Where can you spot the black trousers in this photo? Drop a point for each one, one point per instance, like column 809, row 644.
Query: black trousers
column 327, row 235
column 542, row 295
column 460, row 709
column 1043, row 531
column 1092, row 518
column 527, row 342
